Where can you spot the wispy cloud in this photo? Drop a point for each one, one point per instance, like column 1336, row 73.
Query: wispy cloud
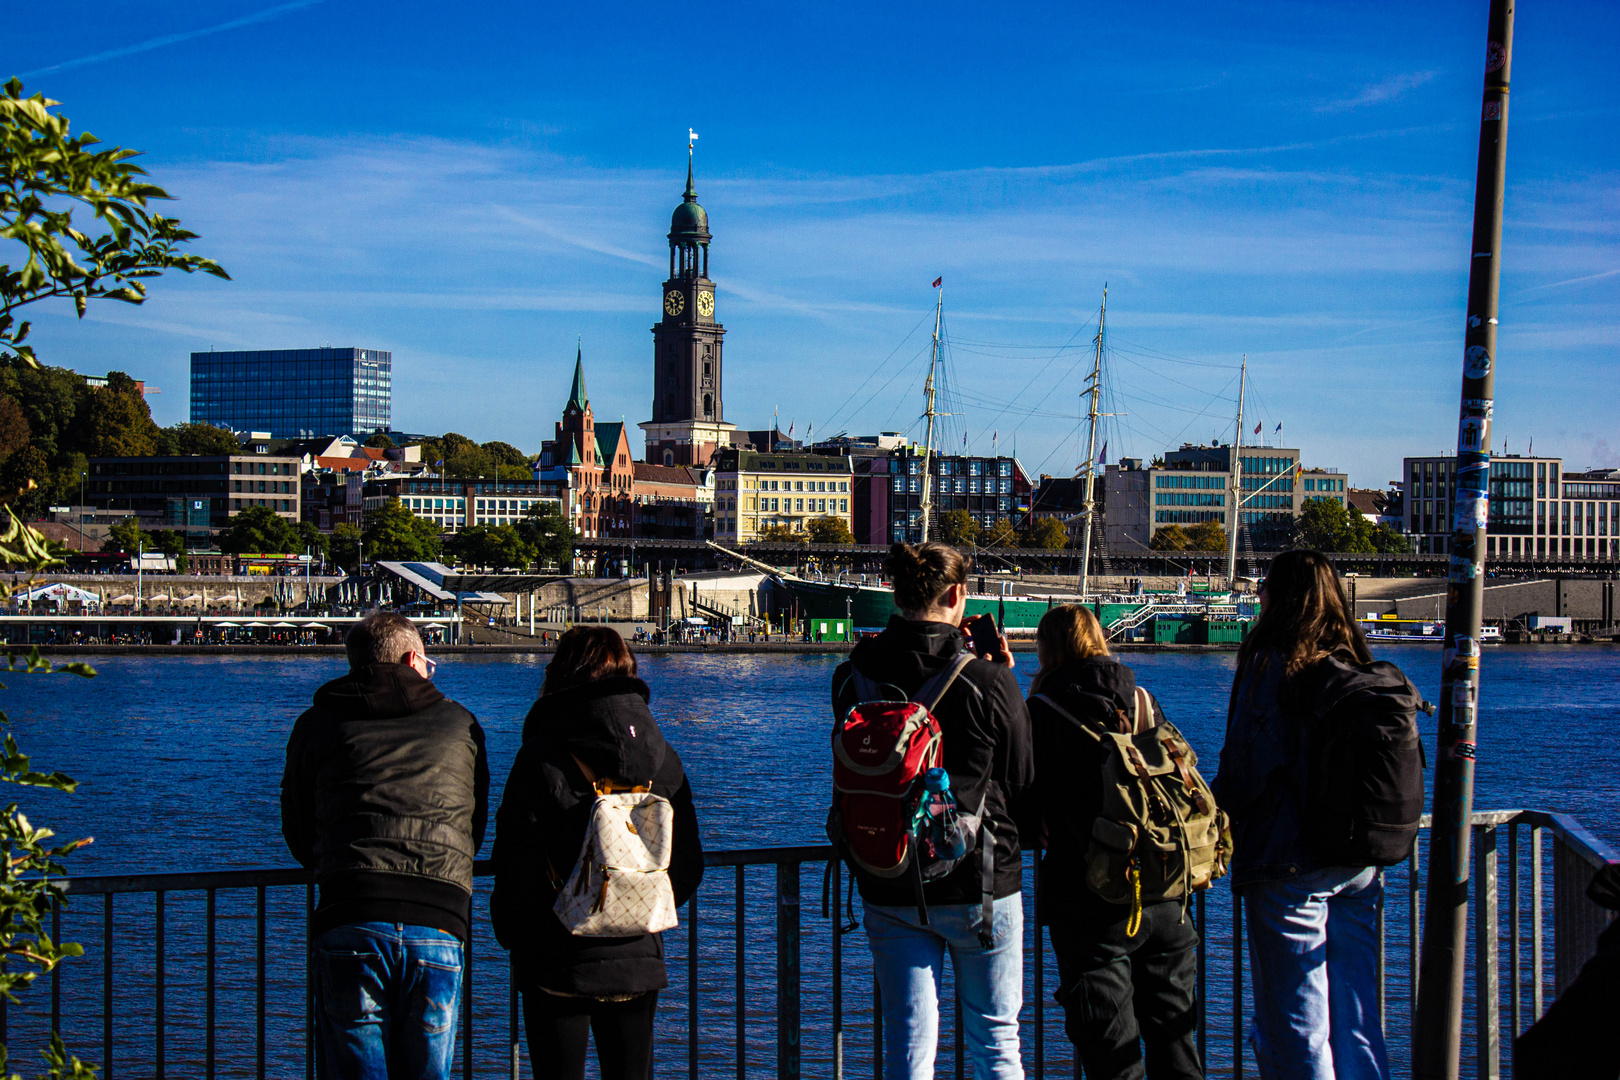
column 1379, row 92
column 174, row 39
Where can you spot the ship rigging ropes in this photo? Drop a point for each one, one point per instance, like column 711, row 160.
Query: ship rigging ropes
column 1147, row 399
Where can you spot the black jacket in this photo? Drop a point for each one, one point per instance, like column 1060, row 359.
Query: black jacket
column 1068, row 776
column 540, row 827
column 385, row 796
column 987, row 749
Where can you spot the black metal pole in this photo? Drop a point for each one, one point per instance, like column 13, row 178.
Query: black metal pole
column 1437, row 1033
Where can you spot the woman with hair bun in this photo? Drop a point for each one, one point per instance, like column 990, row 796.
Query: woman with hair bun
column 590, row 722
column 987, row 754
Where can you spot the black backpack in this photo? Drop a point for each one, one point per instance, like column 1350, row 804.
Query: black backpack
column 1364, row 791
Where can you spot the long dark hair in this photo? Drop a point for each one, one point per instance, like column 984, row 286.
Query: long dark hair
column 587, row 654
column 921, row 574
column 1305, row 616
column 1069, row 632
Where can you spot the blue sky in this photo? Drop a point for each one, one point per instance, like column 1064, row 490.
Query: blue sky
column 477, row 188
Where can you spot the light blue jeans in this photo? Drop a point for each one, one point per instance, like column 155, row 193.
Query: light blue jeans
column 1313, row 949
column 909, row 959
column 387, row 996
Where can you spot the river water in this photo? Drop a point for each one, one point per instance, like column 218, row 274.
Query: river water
column 179, row 759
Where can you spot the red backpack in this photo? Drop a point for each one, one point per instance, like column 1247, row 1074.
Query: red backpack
column 881, row 751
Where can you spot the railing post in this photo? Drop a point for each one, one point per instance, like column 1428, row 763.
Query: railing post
column 692, row 987
column 514, row 1047
column 1487, row 976
column 1237, row 985
column 107, row 986
column 787, row 971
column 1536, row 974
column 741, row 974
column 837, row 923
column 1515, row 969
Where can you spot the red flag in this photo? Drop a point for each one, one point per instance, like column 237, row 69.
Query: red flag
column 937, row 282
column 1257, row 429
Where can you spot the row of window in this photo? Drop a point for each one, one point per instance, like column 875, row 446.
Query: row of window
column 283, row 506
column 1523, row 546
column 1181, row 498
column 796, row 485
column 1564, row 519
column 1188, row 480
column 953, row 485
column 947, row 467
column 284, row 486
column 1268, row 464
column 800, row 506
column 1319, row 484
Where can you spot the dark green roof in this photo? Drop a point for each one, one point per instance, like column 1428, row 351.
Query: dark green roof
column 576, row 396
column 689, row 218
column 607, row 442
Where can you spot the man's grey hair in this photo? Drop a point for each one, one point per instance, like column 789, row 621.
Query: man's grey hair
column 383, row 637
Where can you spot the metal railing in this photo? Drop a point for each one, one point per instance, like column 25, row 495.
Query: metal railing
column 172, row 996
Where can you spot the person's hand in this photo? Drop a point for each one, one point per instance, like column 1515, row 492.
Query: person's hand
column 1003, row 653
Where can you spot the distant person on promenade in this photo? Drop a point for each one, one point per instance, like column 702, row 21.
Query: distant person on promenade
column 1127, row 972
column 590, row 732
column 385, row 796
column 1307, row 864
column 988, row 758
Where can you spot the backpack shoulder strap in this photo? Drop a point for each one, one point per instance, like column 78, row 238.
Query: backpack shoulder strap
column 1089, row 729
column 1142, row 712
column 930, row 693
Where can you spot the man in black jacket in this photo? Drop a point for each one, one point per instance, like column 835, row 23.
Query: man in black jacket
column 987, row 752
column 385, row 797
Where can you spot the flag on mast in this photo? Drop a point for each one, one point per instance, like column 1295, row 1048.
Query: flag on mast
column 1102, row 458
column 1257, row 429
column 938, row 282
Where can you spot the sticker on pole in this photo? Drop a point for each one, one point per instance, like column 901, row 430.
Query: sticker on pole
column 1462, row 750
column 1473, row 509
column 1476, row 362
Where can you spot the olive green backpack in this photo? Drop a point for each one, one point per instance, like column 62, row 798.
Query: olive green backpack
column 1160, row 835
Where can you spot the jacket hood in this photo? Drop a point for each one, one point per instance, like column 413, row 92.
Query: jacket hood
column 1093, row 687
column 910, row 652
column 378, row 691
column 606, row 724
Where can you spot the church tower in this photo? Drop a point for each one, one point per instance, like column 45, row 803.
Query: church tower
column 688, row 419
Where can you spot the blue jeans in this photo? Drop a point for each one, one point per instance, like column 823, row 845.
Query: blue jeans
column 1313, row 948
column 387, row 996
column 909, row 959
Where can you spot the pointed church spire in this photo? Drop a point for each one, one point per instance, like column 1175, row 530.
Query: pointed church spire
column 691, row 192
column 576, row 396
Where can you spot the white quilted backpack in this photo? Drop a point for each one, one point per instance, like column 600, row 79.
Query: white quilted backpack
column 620, row 883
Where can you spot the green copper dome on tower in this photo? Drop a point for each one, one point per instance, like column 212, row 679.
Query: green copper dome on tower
column 690, row 221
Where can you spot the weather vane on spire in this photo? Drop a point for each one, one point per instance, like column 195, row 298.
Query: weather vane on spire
column 691, row 137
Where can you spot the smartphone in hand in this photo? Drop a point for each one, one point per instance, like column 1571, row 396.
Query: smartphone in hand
column 983, row 636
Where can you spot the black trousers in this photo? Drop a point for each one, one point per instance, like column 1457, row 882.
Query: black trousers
column 558, row 1029
column 1120, row 993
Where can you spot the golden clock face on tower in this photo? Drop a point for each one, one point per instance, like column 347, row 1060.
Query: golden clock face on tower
column 674, row 302
column 705, row 304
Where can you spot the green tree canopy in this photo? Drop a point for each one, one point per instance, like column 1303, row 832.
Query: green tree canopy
column 1169, row 538
column 116, row 421
column 199, row 440
column 775, row 533
column 1000, row 535
column 1328, row 525
column 379, row 441
column 1206, row 536
column 549, row 535
column 14, row 431
column 491, row 546
column 959, row 529
column 829, row 530
column 395, row 534
column 259, row 530
column 346, row 546
column 1046, row 532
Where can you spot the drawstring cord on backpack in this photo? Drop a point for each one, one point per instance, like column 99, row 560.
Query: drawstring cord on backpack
column 1134, row 923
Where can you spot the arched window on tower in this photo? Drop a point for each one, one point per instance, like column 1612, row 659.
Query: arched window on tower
column 708, row 405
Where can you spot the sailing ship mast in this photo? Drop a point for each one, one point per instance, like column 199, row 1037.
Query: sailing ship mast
column 1237, row 479
column 928, row 400
column 1088, row 505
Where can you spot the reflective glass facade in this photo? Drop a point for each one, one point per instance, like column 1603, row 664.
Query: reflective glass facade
column 294, row 393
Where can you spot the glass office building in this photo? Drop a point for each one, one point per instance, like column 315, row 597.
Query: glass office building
column 294, row 393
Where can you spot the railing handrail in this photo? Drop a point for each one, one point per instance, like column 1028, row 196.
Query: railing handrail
column 1576, row 836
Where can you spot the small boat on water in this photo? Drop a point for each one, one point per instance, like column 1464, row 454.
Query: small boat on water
column 1433, row 631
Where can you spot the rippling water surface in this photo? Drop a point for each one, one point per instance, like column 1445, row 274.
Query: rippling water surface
column 179, row 759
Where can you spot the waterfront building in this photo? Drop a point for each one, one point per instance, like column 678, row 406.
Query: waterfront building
column 1537, row 511
column 753, row 489
column 294, row 393
column 888, row 492
column 590, row 464
column 688, row 417
column 1064, row 498
column 1192, row 485
column 195, row 494
column 453, row 503
column 673, row 502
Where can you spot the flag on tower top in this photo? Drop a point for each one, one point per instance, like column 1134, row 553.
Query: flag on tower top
column 937, row 282
column 1279, row 427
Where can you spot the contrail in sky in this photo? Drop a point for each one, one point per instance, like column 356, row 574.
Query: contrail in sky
column 173, row 39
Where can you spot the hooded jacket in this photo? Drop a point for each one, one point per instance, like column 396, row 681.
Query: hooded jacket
column 988, row 750
column 1068, row 775
column 385, row 796
column 541, row 824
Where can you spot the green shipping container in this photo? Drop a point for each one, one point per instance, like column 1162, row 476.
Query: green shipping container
column 1225, row 631
column 1174, row 632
